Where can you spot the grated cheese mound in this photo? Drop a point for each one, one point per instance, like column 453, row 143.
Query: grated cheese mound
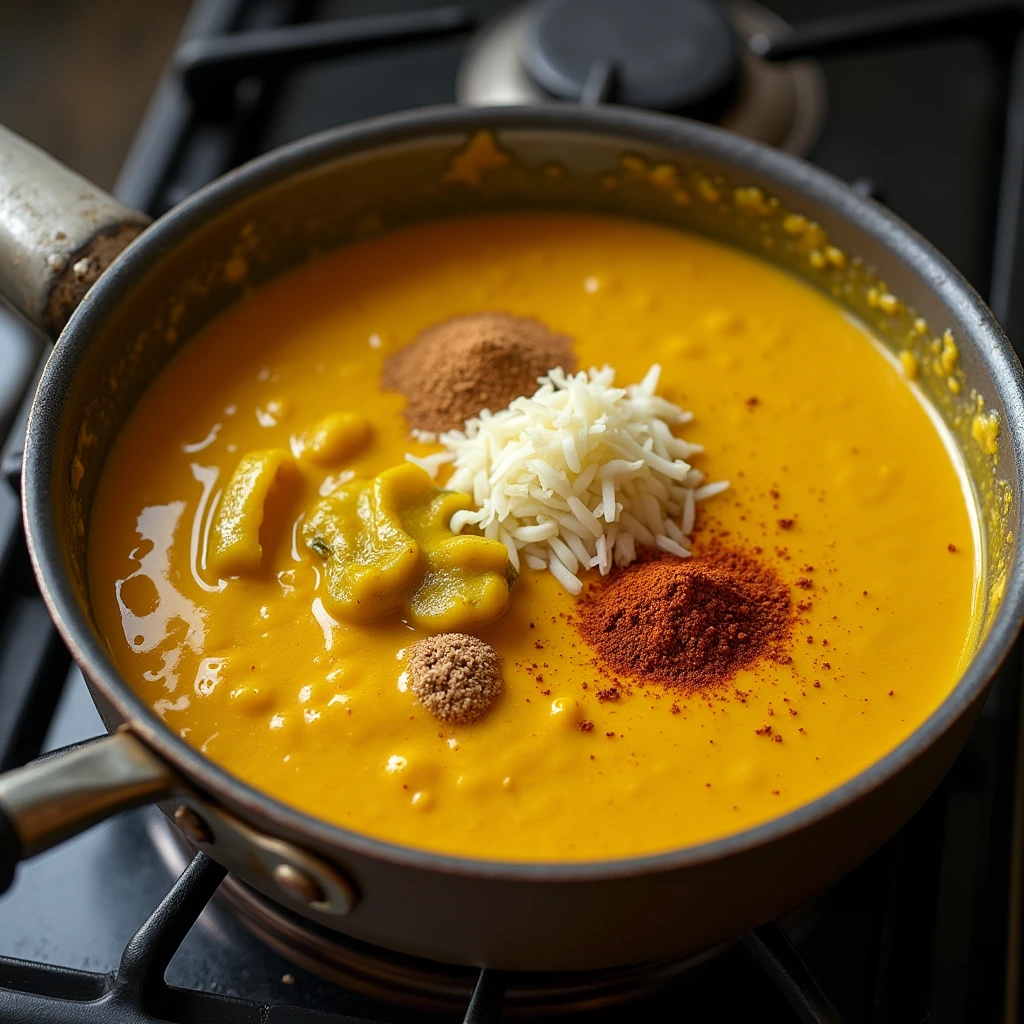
column 578, row 475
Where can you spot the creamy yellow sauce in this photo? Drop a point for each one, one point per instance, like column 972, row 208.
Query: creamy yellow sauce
column 796, row 406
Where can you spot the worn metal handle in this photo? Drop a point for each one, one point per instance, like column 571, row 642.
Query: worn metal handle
column 62, row 794
column 58, row 233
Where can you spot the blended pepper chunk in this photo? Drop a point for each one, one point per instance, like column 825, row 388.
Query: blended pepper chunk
column 386, row 548
column 235, row 547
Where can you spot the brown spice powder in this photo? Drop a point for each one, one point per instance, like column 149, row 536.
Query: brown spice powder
column 457, row 677
column 691, row 623
column 454, row 369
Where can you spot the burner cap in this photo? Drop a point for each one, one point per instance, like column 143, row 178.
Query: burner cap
column 673, row 55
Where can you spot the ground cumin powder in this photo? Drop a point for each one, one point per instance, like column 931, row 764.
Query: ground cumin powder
column 454, row 369
column 455, row 676
column 688, row 623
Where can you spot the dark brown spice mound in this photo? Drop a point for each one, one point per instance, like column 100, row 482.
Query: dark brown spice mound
column 454, row 369
column 688, row 623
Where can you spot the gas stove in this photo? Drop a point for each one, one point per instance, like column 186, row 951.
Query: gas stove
column 921, row 106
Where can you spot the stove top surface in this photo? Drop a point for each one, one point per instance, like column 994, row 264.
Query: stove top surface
column 928, row 928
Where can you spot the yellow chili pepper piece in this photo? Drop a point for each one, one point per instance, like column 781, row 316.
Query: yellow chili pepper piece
column 386, row 548
column 235, row 534
column 336, row 437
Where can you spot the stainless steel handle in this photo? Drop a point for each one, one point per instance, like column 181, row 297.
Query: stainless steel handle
column 61, row 794
column 56, row 797
column 58, row 233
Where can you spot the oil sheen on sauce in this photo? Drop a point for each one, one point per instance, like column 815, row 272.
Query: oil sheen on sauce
column 837, row 473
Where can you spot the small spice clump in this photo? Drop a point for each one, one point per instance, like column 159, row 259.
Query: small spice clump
column 690, row 623
column 454, row 369
column 456, row 677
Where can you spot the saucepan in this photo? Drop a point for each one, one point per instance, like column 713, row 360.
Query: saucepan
column 58, row 235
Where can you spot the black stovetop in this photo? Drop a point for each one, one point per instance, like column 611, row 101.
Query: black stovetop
column 927, row 930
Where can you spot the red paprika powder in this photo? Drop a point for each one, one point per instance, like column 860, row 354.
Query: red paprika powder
column 688, row 623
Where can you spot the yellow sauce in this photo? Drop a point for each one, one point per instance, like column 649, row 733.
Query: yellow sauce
column 837, row 472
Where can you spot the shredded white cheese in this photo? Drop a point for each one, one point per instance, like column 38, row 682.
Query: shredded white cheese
column 578, row 475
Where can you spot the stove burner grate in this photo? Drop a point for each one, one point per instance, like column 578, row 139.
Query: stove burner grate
column 137, row 992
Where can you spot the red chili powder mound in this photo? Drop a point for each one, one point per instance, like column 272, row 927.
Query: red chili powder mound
column 688, row 623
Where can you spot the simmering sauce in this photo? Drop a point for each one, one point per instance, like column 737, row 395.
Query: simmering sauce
column 838, row 474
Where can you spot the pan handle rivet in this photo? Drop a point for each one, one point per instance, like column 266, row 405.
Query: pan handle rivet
column 192, row 825
column 297, row 884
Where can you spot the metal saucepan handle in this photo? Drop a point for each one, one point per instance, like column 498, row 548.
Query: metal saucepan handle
column 64, row 793
column 58, row 233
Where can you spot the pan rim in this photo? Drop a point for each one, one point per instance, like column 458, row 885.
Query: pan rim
column 45, row 549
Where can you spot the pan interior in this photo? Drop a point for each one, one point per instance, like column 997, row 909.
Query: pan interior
column 352, row 197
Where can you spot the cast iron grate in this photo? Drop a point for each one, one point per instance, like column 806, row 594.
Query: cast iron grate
column 138, row 993
column 230, row 78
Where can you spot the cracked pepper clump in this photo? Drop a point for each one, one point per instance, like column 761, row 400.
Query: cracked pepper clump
column 456, row 677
